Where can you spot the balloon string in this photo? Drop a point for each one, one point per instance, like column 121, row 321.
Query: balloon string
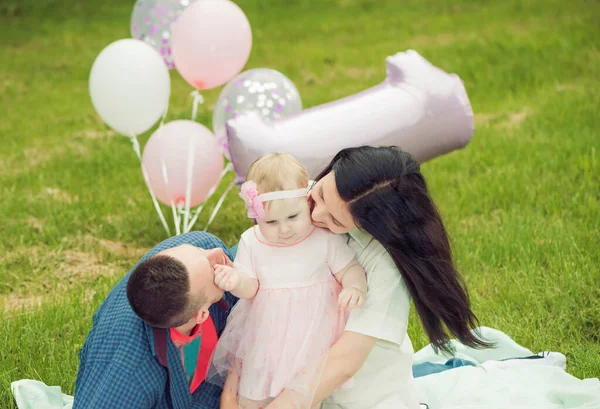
column 189, row 226
column 211, row 192
column 190, row 176
column 218, row 206
column 162, row 121
column 136, row 148
column 198, row 99
column 177, row 208
column 176, row 219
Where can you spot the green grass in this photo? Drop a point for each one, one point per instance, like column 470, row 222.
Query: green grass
column 521, row 202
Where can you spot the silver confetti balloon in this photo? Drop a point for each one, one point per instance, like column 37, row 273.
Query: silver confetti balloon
column 152, row 20
column 262, row 90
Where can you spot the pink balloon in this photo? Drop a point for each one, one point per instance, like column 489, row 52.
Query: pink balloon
column 419, row 108
column 211, row 43
column 167, row 155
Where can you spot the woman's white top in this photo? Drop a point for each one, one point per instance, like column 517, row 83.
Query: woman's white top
column 385, row 380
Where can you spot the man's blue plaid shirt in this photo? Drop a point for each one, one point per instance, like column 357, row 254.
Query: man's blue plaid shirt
column 118, row 364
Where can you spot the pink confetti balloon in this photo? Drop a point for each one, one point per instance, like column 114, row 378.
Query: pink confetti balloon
column 167, row 155
column 419, row 108
column 262, row 90
column 211, row 41
column 151, row 22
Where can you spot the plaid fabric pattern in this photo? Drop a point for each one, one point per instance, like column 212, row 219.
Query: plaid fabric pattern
column 118, row 365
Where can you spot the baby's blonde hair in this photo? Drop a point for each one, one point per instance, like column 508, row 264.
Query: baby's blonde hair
column 277, row 171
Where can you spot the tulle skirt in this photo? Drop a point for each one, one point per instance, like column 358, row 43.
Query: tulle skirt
column 279, row 340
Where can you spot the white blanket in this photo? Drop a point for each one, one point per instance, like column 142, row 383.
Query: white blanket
column 517, row 387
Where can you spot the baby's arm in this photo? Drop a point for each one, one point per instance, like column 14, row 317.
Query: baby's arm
column 239, row 279
column 239, row 284
column 354, row 282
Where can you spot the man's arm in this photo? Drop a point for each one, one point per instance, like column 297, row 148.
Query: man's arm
column 108, row 386
column 344, row 360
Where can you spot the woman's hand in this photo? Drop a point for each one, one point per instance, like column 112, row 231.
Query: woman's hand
column 345, row 358
column 227, row 403
column 230, row 389
column 289, row 399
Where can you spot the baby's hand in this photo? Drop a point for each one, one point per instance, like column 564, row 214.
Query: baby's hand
column 351, row 298
column 226, row 278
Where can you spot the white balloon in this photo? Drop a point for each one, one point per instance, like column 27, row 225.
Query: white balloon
column 419, row 108
column 130, row 86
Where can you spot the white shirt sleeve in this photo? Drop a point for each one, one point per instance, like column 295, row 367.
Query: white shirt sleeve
column 339, row 254
column 384, row 315
column 243, row 260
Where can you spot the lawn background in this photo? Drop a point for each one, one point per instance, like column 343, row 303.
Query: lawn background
column 521, row 202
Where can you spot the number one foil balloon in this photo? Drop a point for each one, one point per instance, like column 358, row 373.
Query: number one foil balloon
column 418, row 107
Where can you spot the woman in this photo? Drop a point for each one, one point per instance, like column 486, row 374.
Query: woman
column 379, row 197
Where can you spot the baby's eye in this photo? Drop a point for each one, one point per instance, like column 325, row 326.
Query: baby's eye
column 271, row 221
column 293, row 216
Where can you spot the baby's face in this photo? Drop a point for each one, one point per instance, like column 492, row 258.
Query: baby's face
column 286, row 221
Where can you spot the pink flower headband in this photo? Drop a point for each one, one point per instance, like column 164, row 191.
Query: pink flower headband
column 254, row 201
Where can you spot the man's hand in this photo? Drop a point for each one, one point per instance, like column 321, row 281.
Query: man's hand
column 351, row 297
column 226, row 278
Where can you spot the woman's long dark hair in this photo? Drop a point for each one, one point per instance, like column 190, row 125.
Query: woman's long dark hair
column 388, row 198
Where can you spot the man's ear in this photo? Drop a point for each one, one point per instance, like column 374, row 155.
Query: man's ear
column 202, row 315
column 216, row 256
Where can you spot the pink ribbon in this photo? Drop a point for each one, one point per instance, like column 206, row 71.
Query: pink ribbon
column 254, row 205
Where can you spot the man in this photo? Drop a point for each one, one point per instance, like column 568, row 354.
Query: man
column 163, row 310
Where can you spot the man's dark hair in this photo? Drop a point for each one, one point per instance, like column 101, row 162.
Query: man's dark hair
column 159, row 292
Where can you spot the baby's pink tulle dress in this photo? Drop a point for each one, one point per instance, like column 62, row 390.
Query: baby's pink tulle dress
column 280, row 338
